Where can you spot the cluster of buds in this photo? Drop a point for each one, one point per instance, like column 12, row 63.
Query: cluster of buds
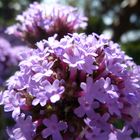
column 77, row 88
column 41, row 21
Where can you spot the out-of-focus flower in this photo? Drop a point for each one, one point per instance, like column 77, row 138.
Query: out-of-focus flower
column 9, row 58
column 41, row 21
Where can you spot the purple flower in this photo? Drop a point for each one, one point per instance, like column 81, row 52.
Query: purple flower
column 85, row 80
column 85, row 107
column 47, row 91
column 75, row 53
column 124, row 134
column 101, row 122
column 24, row 128
column 100, row 90
column 8, row 60
column 43, row 70
column 53, row 128
column 114, row 106
column 86, row 101
column 41, row 21
column 12, row 102
column 96, row 134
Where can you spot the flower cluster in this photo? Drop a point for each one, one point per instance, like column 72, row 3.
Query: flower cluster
column 41, row 21
column 79, row 88
column 9, row 58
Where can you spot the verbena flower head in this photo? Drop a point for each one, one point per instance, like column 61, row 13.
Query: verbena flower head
column 79, row 88
column 41, row 21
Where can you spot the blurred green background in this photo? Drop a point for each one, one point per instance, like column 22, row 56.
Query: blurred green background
column 118, row 19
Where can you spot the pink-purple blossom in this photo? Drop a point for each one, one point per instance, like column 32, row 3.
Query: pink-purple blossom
column 41, row 21
column 24, row 129
column 81, row 87
column 9, row 58
column 53, row 128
